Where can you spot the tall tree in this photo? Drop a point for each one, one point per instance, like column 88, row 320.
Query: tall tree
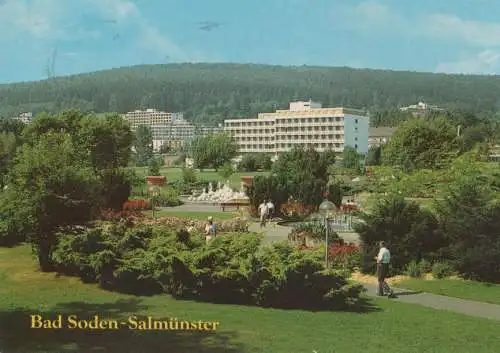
column 421, row 143
column 143, row 145
column 213, row 150
column 51, row 189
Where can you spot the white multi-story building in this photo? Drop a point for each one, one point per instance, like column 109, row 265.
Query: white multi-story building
column 166, row 128
column 304, row 123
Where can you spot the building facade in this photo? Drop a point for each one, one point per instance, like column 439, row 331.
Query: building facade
column 25, row 118
column 304, row 124
column 421, row 109
column 379, row 136
column 169, row 129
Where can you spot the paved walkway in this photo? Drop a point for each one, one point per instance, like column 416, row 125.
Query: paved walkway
column 467, row 307
column 273, row 232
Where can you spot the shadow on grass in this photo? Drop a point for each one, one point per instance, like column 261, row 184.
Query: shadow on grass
column 364, row 305
column 406, row 292
column 17, row 336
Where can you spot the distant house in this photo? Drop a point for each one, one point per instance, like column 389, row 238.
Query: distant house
column 421, row 109
column 378, row 136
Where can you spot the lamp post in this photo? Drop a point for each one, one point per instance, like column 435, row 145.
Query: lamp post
column 325, row 209
column 155, row 191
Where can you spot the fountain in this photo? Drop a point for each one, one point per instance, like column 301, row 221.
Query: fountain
column 224, row 193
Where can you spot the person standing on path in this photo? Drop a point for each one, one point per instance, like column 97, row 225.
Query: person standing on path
column 270, row 210
column 263, row 213
column 383, row 260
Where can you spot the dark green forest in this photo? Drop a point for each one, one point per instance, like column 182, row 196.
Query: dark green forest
column 209, row 93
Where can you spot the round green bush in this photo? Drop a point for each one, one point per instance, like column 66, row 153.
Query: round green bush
column 442, row 270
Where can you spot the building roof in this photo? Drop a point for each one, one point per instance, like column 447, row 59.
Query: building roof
column 381, row 131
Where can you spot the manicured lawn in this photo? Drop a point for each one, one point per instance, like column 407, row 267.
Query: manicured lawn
column 208, row 175
column 482, row 292
column 391, row 327
column 195, row 215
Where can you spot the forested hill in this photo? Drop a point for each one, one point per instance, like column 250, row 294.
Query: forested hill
column 212, row 92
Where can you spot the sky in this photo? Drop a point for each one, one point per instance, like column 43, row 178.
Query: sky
column 43, row 38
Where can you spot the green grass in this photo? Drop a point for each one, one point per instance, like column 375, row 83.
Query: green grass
column 390, row 327
column 208, row 175
column 195, row 215
column 482, row 292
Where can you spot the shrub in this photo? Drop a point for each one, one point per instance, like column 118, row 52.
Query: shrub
column 115, row 216
column 442, row 270
column 413, row 269
column 226, row 171
column 248, row 163
column 313, row 230
column 232, row 268
column 425, row 266
column 480, row 262
column 188, row 176
column 168, row 197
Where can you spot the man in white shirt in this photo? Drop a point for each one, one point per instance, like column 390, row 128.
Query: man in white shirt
column 383, row 260
column 263, row 213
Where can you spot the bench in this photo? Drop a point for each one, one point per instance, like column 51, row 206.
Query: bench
column 229, row 204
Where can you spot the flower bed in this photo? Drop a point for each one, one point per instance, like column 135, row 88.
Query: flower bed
column 136, row 205
column 223, row 226
column 347, row 256
column 296, row 209
column 113, row 216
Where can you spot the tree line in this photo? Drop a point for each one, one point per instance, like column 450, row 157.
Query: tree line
column 209, row 93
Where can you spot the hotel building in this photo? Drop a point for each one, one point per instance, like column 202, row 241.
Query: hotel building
column 167, row 128
column 303, row 124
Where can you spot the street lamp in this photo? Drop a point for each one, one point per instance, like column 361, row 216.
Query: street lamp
column 325, row 209
column 155, row 192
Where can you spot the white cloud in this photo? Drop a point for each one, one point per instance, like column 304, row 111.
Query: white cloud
column 485, row 62
column 445, row 26
column 373, row 16
column 47, row 22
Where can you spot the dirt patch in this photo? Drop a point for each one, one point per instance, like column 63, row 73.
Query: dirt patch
column 363, row 278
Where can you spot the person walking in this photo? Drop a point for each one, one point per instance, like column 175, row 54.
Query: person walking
column 210, row 230
column 263, row 213
column 383, row 260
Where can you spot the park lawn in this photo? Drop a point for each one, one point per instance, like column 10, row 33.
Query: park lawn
column 194, row 215
column 172, row 174
column 471, row 290
column 390, row 327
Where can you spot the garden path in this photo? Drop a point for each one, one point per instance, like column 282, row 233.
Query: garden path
column 440, row 302
column 274, row 232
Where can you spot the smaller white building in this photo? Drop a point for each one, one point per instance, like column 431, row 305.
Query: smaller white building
column 25, row 118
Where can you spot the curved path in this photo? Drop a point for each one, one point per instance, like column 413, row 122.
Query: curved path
column 274, row 232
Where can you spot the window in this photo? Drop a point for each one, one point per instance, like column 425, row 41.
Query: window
column 355, row 139
column 356, row 146
column 356, row 121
